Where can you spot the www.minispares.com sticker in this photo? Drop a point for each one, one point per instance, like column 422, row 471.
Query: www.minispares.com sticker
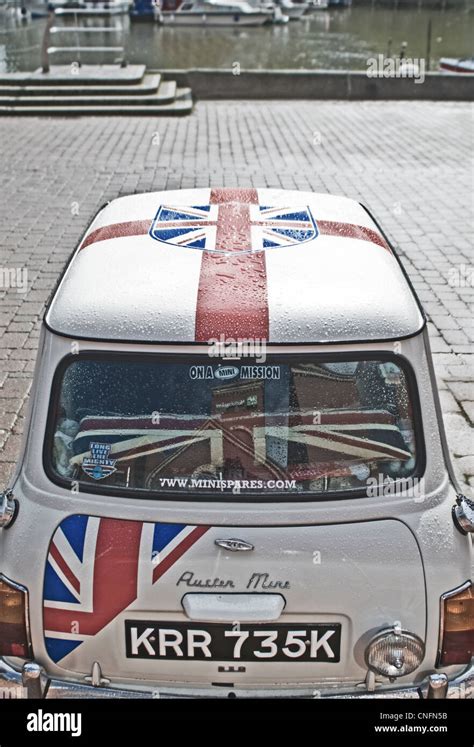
column 227, row 373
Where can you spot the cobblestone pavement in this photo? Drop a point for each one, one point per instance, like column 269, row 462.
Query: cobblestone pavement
column 411, row 163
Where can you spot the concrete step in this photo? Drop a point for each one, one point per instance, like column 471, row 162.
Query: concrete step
column 165, row 95
column 182, row 105
column 87, row 75
column 147, row 86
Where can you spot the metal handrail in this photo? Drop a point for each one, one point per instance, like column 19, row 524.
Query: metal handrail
column 47, row 49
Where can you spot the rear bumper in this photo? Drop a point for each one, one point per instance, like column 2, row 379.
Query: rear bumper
column 32, row 682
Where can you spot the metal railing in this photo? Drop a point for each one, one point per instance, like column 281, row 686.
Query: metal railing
column 79, row 49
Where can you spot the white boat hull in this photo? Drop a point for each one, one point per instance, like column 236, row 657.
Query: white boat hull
column 94, row 9
column 294, row 14
column 168, row 18
column 295, row 11
column 457, row 65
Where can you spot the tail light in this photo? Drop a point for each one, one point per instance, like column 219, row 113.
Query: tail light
column 14, row 638
column 457, row 626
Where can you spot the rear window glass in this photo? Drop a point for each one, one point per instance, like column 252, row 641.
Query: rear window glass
column 204, row 427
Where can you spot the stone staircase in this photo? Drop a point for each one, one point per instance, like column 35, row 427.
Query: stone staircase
column 92, row 89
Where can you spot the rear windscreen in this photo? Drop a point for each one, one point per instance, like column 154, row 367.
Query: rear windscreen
column 297, row 427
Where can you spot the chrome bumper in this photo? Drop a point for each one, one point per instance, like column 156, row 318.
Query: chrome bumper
column 32, row 682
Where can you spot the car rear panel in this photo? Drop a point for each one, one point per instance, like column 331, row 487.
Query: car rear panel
column 333, row 585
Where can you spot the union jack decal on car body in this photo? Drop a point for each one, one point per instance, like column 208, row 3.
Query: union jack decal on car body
column 259, row 227
column 97, row 567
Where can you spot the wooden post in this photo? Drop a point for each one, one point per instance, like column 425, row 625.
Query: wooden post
column 428, row 46
column 46, row 41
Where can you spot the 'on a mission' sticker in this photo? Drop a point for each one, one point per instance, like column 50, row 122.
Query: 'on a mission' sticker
column 227, row 373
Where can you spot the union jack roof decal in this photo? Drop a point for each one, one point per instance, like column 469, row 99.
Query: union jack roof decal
column 260, row 227
column 193, row 265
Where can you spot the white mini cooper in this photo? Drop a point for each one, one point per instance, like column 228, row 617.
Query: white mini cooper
column 234, row 478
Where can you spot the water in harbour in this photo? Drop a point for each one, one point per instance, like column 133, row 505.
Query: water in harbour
column 331, row 39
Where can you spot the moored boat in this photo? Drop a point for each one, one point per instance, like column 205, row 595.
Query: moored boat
column 215, row 13
column 92, row 7
column 457, row 65
column 293, row 10
column 142, row 10
column 319, row 5
column 278, row 16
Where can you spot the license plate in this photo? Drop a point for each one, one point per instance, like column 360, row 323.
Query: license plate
column 232, row 642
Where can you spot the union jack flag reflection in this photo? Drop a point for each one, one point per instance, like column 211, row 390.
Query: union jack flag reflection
column 311, row 428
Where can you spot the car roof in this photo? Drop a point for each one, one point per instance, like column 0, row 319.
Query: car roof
column 194, row 265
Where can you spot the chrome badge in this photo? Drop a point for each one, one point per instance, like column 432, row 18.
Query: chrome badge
column 234, row 545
